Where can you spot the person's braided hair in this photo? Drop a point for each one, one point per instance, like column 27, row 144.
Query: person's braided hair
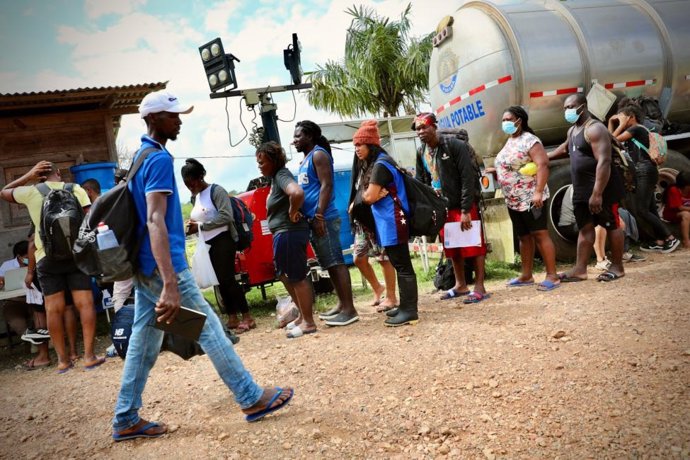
column 521, row 114
column 313, row 131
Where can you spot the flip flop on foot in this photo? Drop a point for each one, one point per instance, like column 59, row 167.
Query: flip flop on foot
column 452, row 294
column 517, row 282
column 280, row 399
column 609, row 276
column 94, row 365
column 245, row 326
column 384, row 307
column 565, row 278
column 475, row 297
column 143, row 429
column 548, row 285
column 64, row 370
column 298, row 332
column 32, row 366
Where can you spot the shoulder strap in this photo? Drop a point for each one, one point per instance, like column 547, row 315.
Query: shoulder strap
column 69, row 187
column 44, row 189
column 139, row 161
column 213, row 189
column 588, row 123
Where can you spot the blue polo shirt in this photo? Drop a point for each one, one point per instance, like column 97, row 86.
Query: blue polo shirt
column 157, row 174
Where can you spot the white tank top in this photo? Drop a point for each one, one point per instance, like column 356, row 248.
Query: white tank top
column 205, row 211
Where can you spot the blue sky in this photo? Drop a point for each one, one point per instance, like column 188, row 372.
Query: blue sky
column 65, row 44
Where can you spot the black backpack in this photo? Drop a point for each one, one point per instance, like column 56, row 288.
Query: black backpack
column 428, row 208
column 61, row 215
column 117, row 210
column 242, row 220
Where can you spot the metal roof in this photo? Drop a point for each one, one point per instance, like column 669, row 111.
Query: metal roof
column 342, row 131
column 119, row 100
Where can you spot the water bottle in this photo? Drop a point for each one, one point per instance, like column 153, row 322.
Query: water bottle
column 105, row 238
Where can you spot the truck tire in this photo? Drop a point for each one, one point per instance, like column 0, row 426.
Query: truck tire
column 564, row 238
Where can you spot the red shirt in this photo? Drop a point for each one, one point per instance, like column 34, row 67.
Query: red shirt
column 674, row 200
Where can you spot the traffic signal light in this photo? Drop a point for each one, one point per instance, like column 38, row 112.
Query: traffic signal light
column 219, row 67
column 291, row 57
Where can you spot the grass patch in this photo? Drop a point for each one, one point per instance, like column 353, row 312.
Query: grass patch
column 261, row 307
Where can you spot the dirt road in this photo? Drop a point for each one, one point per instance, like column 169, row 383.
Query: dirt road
column 598, row 370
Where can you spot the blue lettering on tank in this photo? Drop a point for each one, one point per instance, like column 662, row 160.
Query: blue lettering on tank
column 462, row 115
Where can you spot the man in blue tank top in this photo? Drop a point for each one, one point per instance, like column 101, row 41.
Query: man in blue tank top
column 316, row 177
column 597, row 188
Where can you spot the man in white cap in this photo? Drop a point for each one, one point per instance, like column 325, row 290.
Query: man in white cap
column 164, row 283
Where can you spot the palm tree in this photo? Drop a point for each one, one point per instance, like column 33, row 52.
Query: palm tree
column 383, row 68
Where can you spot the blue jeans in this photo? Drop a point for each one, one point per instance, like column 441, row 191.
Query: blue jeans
column 145, row 344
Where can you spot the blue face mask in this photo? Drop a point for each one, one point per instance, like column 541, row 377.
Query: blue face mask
column 571, row 115
column 509, row 127
column 25, row 261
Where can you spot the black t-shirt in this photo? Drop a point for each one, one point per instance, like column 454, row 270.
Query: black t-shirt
column 641, row 135
column 583, row 167
column 381, row 175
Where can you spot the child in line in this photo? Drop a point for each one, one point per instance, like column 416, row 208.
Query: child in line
column 677, row 206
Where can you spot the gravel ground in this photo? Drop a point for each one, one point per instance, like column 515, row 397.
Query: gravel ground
column 590, row 370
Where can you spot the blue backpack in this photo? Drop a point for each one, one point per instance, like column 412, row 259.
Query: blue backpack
column 243, row 223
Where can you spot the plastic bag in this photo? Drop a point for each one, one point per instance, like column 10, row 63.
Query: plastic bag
column 286, row 311
column 202, row 269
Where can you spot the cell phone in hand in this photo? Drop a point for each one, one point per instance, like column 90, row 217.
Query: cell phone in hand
column 536, row 212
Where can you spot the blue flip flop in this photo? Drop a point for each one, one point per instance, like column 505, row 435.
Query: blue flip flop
column 515, row 282
column 547, row 285
column 141, row 432
column 256, row 416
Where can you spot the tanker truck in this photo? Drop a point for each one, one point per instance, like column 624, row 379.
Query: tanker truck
column 489, row 55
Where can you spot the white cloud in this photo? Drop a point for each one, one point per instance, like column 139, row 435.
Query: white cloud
column 218, row 16
column 141, row 48
column 97, row 8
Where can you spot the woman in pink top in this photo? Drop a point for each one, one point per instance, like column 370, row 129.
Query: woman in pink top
column 526, row 193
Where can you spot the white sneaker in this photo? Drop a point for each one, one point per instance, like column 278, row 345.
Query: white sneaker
column 603, row 265
column 627, row 256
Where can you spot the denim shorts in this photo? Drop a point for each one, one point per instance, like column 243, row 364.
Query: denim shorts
column 290, row 254
column 327, row 248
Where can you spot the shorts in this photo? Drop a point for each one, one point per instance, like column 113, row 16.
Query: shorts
column 366, row 246
column 62, row 276
column 454, row 215
column 525, row 223
column 290, row 254
column 607, row 218
column 327, row 248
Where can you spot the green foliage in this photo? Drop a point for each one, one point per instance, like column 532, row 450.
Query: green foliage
column 383, row 69
column 186, row 211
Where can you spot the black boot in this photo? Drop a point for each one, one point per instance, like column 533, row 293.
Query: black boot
column 402, row 318
column 392, row 312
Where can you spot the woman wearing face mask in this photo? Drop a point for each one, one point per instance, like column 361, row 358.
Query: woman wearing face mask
column 522, row 168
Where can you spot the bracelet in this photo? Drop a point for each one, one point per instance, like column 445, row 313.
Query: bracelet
column 318, row 216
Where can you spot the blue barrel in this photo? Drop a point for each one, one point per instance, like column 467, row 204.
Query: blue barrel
column 341, row 188
column 103, row 172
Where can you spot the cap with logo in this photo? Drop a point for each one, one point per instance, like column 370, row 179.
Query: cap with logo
column 162, row 101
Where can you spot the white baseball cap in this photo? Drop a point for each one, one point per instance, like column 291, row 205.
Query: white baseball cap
column 162, row 101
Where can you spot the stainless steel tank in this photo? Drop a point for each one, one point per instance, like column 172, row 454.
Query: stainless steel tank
column 535, row 52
